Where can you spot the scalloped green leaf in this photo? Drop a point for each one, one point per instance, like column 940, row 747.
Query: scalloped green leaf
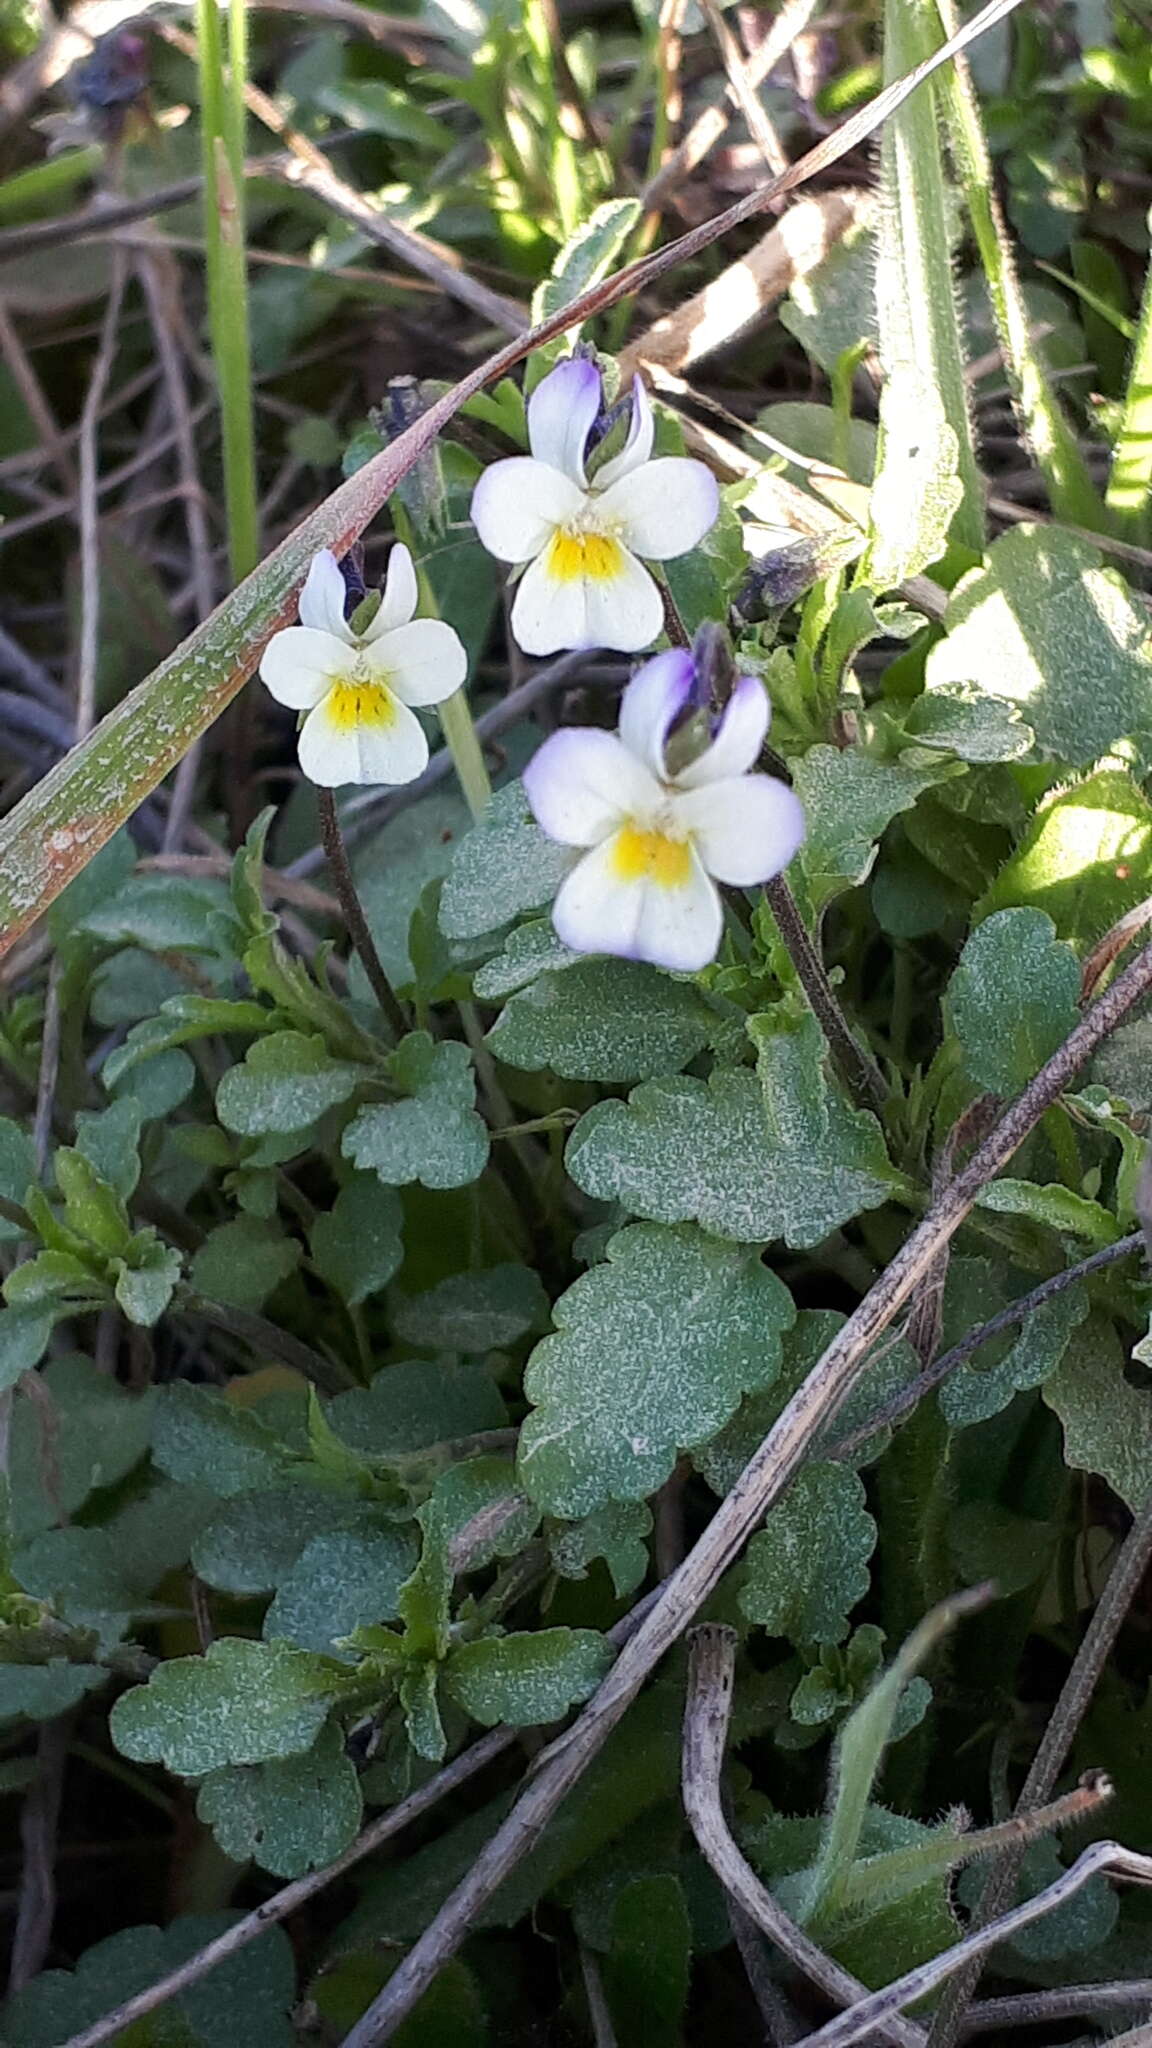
column 435, row 1136
column 652, row 1353
column 288, row 1079
column 607, row 1020
column 526, row 1679
column 808, row 1566
column 240, row 1703
column 1045, row 625
column 292, row 1815
column 1012, row 999
column 502, row 867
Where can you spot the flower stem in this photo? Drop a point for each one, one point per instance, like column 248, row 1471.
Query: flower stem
column 467, row 756
column 340, row 870
column 857, row 1067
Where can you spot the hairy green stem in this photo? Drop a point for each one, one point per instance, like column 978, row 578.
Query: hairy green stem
column 340, row 869
column 1130, row 480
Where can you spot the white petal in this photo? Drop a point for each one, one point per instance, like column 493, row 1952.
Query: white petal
column 422, row 663
column 333, row 753
column 561, row 411
column 582, row 784
column 663, row 509
column 300, row 664
column 638, row 447
column 652, row 702
column 679, row 927
column 738, row 740
column 322, row 598
column 401, row 595
column 745, row 830
column 518, row 504
column 626, row 612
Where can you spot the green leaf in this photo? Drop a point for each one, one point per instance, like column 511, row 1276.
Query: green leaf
column 182, row 1019
column 1085, row 859
column 587, row 256
column 204, row 1440
column 242, row 1262
column 1058, row 635
column 17, row 1171
column 1056, row 1207
column 1013, row 999
column 618, row 1533
column 100, row 1432
column 147, row 1278
column 251, row 1544
column 241, row 1703
column 436, row 1136
column 109, row 1140
column 293, row 1815
column 722, row 1461
column 482, row 1311
column 1107, row 1422
column 962, row 719
column 246, row 1998
column 287, row 1080
column 372, row 107
column 749, row 1159
column 808, row 1566
column 849, row 798
column 358, row 1245
column 607, row 1020
column 91, row 1205
column 414, row 1404
column 653, row 1352
column 503, row 866
column 526, row 1680
column 647, row 1968
column 162, row 913
column 340, row 1582
column 38, row 1692
column 528, row 950
column 971, row 1394
column 24, row 1333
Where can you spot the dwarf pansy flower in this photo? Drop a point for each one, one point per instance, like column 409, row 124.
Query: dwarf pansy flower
column 359, row 689
column 583, row 585
column 658, row 842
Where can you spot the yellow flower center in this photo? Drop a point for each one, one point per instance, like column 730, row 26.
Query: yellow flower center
column 353, row 703
column 572, row 554
column 644, row 856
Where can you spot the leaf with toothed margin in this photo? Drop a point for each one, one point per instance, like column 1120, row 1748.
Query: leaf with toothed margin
column 651, row 1355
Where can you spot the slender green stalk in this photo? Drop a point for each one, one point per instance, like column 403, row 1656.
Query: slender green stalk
column 927, row 490
column 455, row 713
column 1130, row 481
column 561, row 148
column 1070, row 488
column 222, row 140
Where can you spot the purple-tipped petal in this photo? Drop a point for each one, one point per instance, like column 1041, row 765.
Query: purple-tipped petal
column 739, row 737
column 582, row 785
column 652, row 703
column 638, row 447
column 321, row 604
column 561, row 412
column 663, row 509
column 518, row 504
column 745, row 830
column 401, row 595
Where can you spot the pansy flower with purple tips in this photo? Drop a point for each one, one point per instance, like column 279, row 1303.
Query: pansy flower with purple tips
column 360, row 691
column 579, row 540
column 657, row 842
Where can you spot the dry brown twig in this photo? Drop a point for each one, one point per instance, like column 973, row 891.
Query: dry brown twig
column 706, row 131
column 707, row 1710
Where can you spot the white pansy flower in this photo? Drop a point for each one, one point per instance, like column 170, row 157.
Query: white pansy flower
column 359, row 689
column 583, row 585
column 658, row 842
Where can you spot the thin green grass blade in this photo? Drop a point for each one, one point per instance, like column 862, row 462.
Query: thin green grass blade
column 861, row 1745
column 927, row 489
column 1130, row 478
column 222, row 150
column 1070, row 488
